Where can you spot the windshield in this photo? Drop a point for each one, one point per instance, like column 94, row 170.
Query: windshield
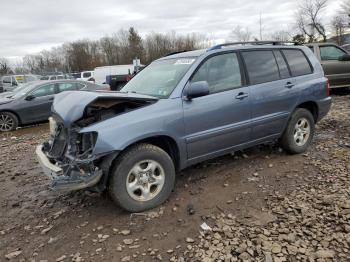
column 159, row 78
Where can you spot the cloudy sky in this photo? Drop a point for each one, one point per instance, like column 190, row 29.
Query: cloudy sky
column 28, row 26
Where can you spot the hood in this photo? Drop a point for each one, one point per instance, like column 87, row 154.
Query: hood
column 5, row 100
column 71, row 106
column 5, row 94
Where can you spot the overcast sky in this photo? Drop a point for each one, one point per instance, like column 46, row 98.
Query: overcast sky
column 28, row 26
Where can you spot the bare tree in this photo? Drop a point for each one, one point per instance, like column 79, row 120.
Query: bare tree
column 338, row 28
column 281, row 35
column 309, row 22
column 4, row 66
column 241, row 34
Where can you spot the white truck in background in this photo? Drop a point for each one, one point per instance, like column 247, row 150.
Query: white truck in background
column 101, row 72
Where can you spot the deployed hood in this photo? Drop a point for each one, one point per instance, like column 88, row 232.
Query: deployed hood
column 5, row 100
column 72, row 106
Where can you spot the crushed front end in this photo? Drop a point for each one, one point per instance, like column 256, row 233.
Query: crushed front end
column 77, row 156
column 67, row 157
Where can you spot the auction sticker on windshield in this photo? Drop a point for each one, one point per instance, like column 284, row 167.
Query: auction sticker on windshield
column 185, row 61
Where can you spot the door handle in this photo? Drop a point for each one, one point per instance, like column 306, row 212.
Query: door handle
column 241, row 95
column 289, row 85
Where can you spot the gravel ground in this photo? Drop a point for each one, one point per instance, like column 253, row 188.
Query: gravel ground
column 258, row 205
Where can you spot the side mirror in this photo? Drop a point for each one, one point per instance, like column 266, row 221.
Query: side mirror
column 345, row 57
column 197, row 89
column 14, row 84
column 29, row 97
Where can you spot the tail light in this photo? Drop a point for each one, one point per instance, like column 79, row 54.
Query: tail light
column 328, row 88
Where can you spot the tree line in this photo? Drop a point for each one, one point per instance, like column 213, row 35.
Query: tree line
column 119, row 48
column 125, row 45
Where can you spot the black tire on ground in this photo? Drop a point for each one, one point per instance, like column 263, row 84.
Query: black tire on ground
column 8, row 122
column 288, row 142
column 126, row 162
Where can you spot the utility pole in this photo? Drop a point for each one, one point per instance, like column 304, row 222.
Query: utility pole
column 260, row 27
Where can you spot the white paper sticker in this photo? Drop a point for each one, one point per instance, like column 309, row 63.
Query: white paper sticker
column 185, row 61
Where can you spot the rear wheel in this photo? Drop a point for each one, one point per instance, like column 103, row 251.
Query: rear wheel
column 299, row 132
column 8, row 122
column 142, row 178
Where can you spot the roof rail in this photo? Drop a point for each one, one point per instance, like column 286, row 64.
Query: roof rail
column 215, row 47
column 177, row 52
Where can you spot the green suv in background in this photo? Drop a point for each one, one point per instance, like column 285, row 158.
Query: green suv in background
column 335, row 62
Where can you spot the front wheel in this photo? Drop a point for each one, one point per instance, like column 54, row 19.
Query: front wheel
column 8, row 122
column 299, row 132
column 142, row 178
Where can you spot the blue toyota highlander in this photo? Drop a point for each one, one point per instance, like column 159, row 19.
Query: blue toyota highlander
column 180, row 110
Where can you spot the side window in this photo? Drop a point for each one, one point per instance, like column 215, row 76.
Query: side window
column 297, row 62
column 282, row 65
column 44, row 91
column 261, row 66
column 52, row 78
column 331, row 52
column 60, row 77
column 6, row 79
column 86, row 74
column 222, row 72
column 67, row 87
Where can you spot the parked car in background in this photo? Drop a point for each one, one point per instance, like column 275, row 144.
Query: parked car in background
column 10, row 82
column 1, row 87
column 180, row 110
column 53, row 77
column 335, row 62
column 32, row 103
column 346, row 47
column 85, row 75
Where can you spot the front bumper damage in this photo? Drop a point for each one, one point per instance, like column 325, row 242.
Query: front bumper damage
column 74, row 157
column 74, row 181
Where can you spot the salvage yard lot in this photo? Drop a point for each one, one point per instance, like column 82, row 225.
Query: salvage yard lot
column 260, row 204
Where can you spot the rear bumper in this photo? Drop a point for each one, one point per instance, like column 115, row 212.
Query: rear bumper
column 66, row 182
column 324, row 105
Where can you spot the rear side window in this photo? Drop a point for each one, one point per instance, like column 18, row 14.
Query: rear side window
column 297, row 62
column 222, row 72
column 282, row 65
column 261, row 66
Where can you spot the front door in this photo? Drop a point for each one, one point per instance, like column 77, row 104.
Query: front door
column 338, row 72
column 37, row 105
column 216, row 123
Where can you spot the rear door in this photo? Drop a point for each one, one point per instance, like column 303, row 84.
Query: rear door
column 217, row 122
column 338, row 72
column 272, row 91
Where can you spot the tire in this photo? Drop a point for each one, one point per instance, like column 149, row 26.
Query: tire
column 299, row 132
column 128, row 186
column 8, row 122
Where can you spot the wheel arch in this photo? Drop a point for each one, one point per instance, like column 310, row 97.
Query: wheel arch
column 312, row 107
column 165, row 142
column 12, row 112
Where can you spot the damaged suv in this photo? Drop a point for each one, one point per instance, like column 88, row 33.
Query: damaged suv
column 180, row 110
